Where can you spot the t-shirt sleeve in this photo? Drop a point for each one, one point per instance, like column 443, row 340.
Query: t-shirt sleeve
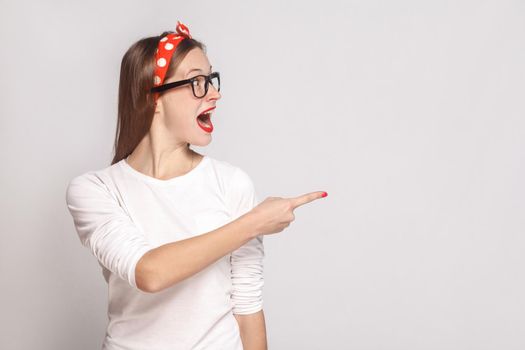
column 247, row 260
column 104, row 227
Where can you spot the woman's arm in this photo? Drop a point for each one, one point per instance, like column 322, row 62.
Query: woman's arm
column 170, row 263
column 253, row 331
column 247, row 269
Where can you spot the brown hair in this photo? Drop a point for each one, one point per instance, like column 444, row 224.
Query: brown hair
column 136, row 106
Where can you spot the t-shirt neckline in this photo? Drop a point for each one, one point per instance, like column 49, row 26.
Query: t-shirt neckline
column 173, row 180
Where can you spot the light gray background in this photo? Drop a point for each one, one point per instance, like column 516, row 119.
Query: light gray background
column 410, row 114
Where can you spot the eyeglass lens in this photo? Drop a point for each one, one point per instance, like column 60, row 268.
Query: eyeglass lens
column 199, row 85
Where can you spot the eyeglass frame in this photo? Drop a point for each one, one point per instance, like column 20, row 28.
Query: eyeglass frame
column 207, row 83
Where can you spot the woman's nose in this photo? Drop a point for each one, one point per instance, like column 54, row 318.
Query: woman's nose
column 213, row 93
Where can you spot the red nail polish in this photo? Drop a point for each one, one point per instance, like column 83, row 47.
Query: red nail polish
column 324, row 194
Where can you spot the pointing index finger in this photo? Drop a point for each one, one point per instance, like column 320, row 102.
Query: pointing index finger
column 307, row 198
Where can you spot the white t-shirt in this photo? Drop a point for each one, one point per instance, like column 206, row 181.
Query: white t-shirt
column 120, row 213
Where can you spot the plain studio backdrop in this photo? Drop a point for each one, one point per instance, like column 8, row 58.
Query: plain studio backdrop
column 410, row 114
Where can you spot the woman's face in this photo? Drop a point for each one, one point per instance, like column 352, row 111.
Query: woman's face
column 177, row 108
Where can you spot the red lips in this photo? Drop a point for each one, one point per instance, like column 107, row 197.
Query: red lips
column 205, row 124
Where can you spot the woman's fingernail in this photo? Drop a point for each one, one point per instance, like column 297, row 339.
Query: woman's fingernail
column 324, row 194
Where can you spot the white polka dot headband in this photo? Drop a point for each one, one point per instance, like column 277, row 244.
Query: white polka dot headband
column 167, row 45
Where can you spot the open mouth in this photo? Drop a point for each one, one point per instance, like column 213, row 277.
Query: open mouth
column 204, row 120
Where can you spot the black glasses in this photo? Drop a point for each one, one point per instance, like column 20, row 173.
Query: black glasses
column 199, row 84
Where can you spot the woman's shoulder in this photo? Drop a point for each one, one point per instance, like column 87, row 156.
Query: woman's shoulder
column 228, row 169
column 99, row 179
column 101, row 173
column 235, row 180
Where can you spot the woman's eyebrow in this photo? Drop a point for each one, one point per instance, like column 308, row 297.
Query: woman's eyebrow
column 196, row 69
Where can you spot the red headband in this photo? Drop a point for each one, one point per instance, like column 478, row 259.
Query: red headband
column 164, row 52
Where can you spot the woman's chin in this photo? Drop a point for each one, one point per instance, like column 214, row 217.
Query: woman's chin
column 201, row 141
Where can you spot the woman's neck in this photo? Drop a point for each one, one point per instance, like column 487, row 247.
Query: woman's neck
column 165, row 164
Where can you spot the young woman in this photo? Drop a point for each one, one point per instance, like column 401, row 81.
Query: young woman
column 178, row 234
